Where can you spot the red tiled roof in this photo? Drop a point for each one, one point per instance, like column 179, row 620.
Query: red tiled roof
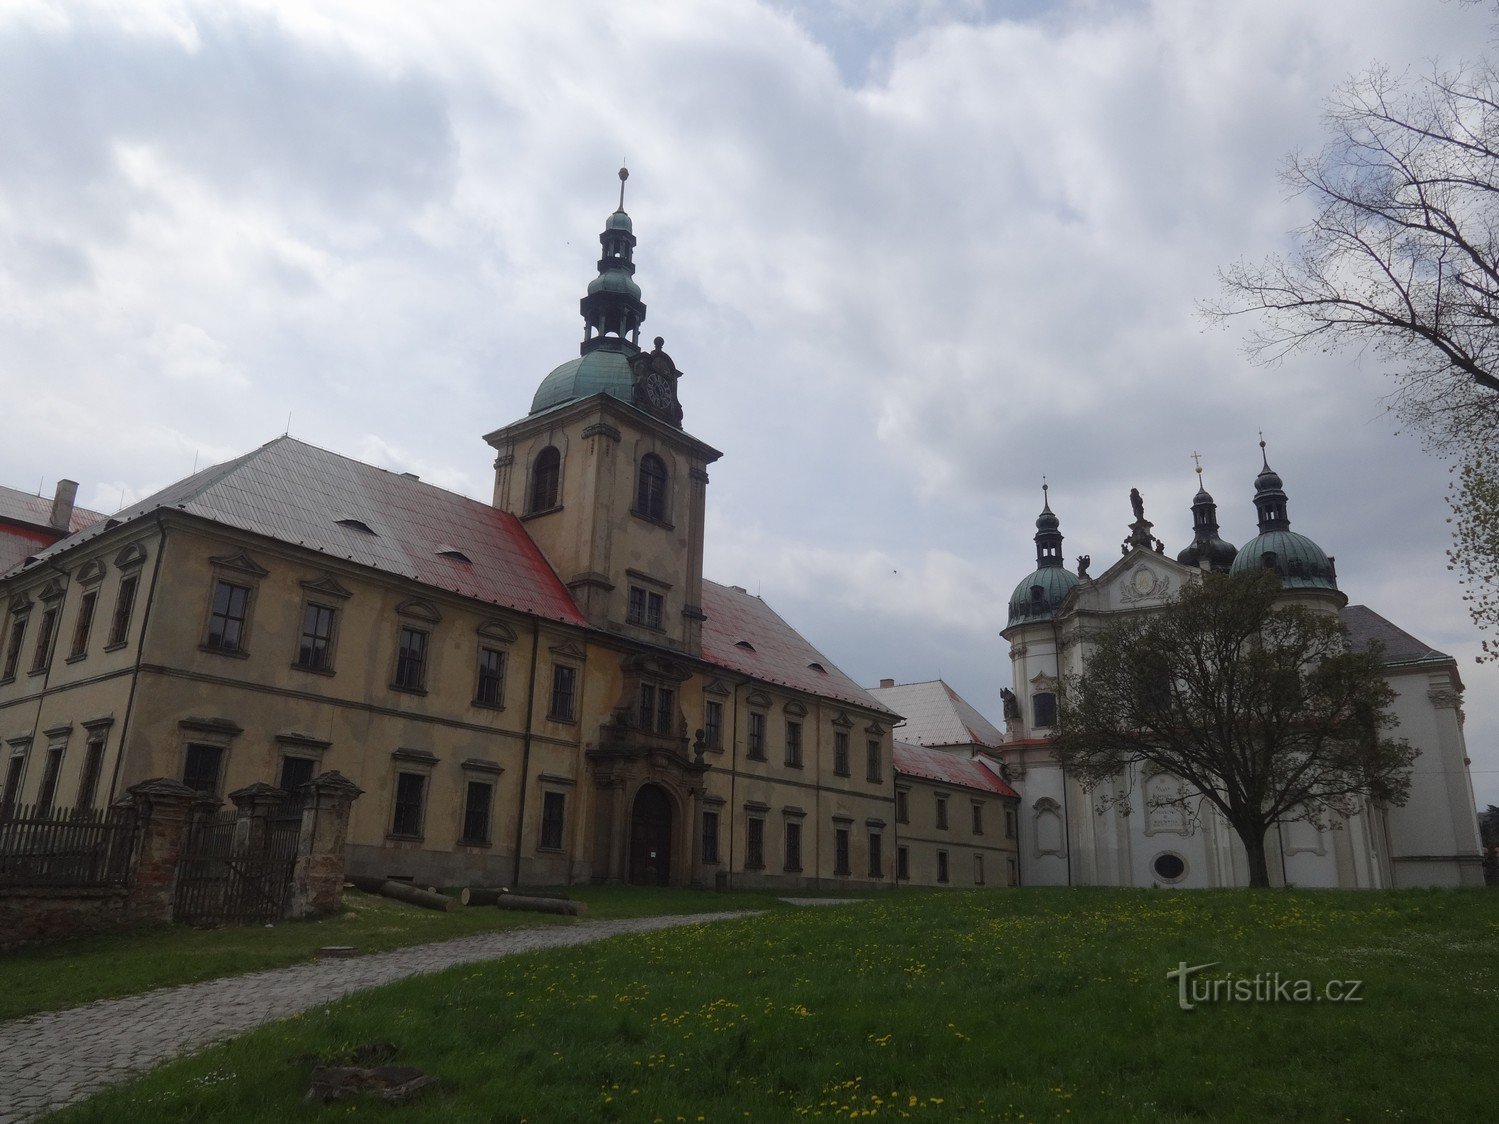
column 949, row 768
column 36, row 511
column 19, row 543
column 300, row 494
column 776, row 652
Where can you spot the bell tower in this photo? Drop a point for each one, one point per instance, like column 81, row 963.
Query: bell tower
column 609, row 485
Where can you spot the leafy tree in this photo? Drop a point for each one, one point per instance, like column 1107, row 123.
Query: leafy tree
column 1488, row 827
column 1260, row 708
column 1402, row 261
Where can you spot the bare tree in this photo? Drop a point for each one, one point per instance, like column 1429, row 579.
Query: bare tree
column 1261, row 709
column 1402, row 262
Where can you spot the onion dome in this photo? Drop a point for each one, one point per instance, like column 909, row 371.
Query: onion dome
column 1297, row 560
column 1206, row 544
column 1040, row 594
column 612, row 314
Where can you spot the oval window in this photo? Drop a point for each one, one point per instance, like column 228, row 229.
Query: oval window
column 1169, row 867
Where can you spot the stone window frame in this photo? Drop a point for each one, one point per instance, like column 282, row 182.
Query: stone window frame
column 478, row 771
column 18, row 751
column 842, row 724
column 412, row 763
column 843, row 846
column 939, row 810
column 645, row 601
column 648, row 502
column 902, row 803
column 553, row 785
column 795, row 714
column 57, row 748
column 874, row 830
column 712, row 806
column 95, row 750
column 755, row 815
column 302, row 747
column 535, row 481
column 568, row 657
column 1011, row 826
column 874, row 748
column 978, row 815
column 328, row 593
column 18, row 616
column 419, row 617
column 130, row 562
column 90, row 580
column 943, row 870
column 713, row 732
column 793, row 819
column 495, row 636
column 51, row 596
column 902, row 863
column 978, row 870
column 236, row 571
column 214, row 733
column 757, row 710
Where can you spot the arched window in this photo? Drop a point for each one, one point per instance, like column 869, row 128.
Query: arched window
column 545, row 476
column 650, row 488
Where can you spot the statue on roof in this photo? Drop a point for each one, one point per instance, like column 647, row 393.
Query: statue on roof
column 1137, row 501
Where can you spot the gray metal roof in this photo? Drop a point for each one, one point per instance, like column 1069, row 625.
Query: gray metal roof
column 936, row 715
column 1365, row 626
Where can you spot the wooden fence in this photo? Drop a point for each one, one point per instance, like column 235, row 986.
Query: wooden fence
column 74, row 848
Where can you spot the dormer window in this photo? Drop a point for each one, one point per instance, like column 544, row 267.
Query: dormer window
column 357, row 525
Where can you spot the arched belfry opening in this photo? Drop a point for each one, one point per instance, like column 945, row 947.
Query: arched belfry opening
column 651, row 825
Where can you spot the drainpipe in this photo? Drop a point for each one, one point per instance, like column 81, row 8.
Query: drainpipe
column 140, row 651
column 525, row 757
column 733, row 781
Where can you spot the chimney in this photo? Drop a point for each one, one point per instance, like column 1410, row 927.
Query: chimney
column 887, row 682
column 62, row 505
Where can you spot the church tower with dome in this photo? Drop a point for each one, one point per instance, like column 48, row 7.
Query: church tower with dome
column 1068, row 838
column 608, row 483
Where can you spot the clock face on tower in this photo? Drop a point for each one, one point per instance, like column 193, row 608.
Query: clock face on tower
column 658, row 390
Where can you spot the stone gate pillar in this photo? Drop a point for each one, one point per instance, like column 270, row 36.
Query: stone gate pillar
column 164, row 815
column 255, row 803
column 318, row 879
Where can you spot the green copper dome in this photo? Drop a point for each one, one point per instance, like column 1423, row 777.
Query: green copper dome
column 615, row 281
column 601, row 370
column 618, row 221
column 1299, row 562
column 1039, row 596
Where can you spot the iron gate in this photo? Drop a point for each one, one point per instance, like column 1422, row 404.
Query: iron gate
column 236, row 870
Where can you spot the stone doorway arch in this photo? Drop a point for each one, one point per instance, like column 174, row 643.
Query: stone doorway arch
column 651, row 821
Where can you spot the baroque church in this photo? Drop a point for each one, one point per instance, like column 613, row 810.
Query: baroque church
column 1156, row 839
column 541, row 689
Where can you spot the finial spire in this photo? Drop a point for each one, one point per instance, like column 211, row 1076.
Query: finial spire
column 624, row 174
column 1045, row 495
column 1197, row 460
column 1264, row 457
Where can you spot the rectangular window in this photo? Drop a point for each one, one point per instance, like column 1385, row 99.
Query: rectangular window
column 978, row 870
column 754, row 844
column 840, row 753
column 713, row 724
column 794, row 744
column 903, row 863
column 93, row 766
column 119, row 625
column 43, row 651
column 1045, row 707
column 876, row 859
column 12, row 794
column 295, row 772
column 226, row 624
column 315, row 649
column 85, row 623
column 200, row 771
column 564, row 692
column 840, row 851
column 942, row 813
column 647, row 706
column 902, row 805
column 411, row 659
column 1009, row 823
column 47, row 795
column 874, row 759
column 710, row 837
column 757, row 736
column 490, row 689
column 411, row 791
column 13, row 646
column 478, row 797
column 666, row 705
column 553, row 807
column 978, row 819
column 1011, row 872
column 793, row 845
column 941, row 866
column 645, row 607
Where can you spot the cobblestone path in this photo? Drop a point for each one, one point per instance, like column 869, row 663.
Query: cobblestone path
column 51, row 1060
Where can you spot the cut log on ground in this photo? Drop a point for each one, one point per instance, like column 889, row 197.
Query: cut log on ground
column 541, row 905
column 404, row 892
column 481, row 895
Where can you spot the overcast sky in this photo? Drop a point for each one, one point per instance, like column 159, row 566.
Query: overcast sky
column 911, row 256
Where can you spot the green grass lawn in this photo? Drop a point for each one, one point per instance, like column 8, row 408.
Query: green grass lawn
column 68, row 973
column 1039, row 1004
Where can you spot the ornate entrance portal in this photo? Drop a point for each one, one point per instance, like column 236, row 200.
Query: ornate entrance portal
column 650, row 837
